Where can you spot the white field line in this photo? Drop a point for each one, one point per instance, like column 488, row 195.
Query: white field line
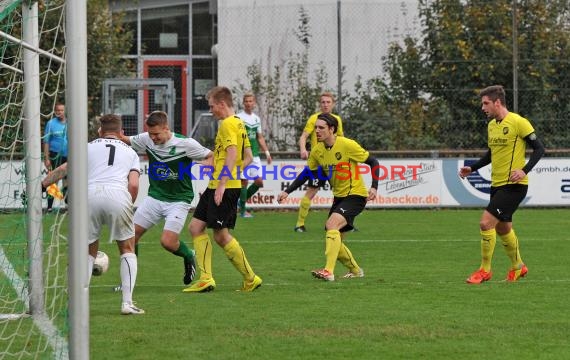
column 44, row 324
column 319, row 237
column 374, row 278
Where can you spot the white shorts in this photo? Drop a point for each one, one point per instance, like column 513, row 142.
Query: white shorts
column 253, row 170
column 151, row 211
column 112, row 207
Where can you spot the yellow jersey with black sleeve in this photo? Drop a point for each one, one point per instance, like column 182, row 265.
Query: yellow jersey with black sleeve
column 508, row 147
column 310, row 128
column 339, row 163
column 231, row 131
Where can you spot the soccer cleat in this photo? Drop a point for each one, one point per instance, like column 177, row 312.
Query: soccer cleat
column 201, row 285
column 246, row 215
column 323, row 274
column 189, row 268
column 300, row 228
column 514, row 275
column 351, row 275
column 249, row 286
column 479, row 276
column 117, row 288
column 130, row 309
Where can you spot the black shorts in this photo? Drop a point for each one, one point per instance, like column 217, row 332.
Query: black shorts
column 349, row 207
column 218, row 217
column 56, row 159
column 505, row 200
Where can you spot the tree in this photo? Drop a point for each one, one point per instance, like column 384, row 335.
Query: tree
column 468, row 45
column 286, row 94
column 428, row 95
column 107, row 41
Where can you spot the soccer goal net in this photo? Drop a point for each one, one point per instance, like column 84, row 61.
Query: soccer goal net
column 33, row 248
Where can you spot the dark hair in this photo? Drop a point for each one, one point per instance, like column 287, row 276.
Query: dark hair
column 157, row 118
column 330, row 120
column 494, row 92
column 110, row 123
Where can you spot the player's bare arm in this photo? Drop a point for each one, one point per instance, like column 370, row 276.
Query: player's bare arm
column 263, row 145
column 54, row 176
column 125, row 139
column 133, row 185
column 230, row 163
column 303, row 145
column 207, row 161
column 247, row 158
column 47, row 160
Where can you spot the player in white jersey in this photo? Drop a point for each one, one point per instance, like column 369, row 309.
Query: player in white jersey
column 253, row 127
column 113, row 185
column 170, row 190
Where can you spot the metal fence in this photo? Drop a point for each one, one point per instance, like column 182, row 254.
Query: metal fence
column 406, row 73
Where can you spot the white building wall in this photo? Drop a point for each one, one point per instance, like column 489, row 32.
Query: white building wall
column 263, row 31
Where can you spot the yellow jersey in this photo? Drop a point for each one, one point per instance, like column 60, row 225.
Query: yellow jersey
column 231, row 131
column 310, row 128
column 338, row 163
column 508, row 147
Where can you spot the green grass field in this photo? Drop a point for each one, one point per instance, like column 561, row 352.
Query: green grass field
column 413, row 302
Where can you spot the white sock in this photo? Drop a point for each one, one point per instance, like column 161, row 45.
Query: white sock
column 129, row 269
column 90, row 262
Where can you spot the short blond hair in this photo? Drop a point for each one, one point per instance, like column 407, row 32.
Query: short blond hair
column 328, row 94
column 221, row 94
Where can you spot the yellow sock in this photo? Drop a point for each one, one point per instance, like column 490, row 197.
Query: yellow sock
column 332, row 249
column 303, row 211
column 235, row 253
column 203, row 248
column 511, row 245
column 488, row 241
column 345, row 257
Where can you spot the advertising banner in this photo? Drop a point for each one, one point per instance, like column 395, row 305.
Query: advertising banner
column 403, row 183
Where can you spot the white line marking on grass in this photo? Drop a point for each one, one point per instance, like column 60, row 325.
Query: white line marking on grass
column 58, row 343
column 368, row 280
column 304, row 241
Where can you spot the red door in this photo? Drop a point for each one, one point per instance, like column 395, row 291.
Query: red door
column 176, row 70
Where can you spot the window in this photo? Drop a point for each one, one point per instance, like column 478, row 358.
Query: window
column 202, row 29
column 164, row 31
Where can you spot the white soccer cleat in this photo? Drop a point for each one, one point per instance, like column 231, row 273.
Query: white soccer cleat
column 351, row 275
column 130, row 309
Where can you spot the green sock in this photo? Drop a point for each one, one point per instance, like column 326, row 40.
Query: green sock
column 252, row 189
column 183, row 251
column 242, row 200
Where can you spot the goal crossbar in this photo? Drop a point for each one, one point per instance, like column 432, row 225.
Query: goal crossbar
column 31, row 48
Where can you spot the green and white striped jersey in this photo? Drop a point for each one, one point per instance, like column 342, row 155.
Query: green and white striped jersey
column 169, row 166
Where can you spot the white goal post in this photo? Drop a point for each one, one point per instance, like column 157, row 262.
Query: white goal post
column 43, row 278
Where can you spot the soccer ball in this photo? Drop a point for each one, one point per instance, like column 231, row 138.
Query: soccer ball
column 101, row 264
